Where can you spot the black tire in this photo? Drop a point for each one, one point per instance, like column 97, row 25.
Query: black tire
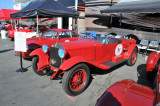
column 12, row 39
column 112, row 33
column 133, row 58
column 133, row 37
column 151, row 75
column 69, row 75
column 35, row 66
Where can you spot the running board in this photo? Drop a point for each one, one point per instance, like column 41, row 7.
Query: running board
column 112, row 64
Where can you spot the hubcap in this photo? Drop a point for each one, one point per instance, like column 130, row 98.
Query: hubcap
column 77, row 79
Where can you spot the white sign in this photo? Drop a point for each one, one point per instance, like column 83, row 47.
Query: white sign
column 17, row 6
column 118, row 49
column 20, row 41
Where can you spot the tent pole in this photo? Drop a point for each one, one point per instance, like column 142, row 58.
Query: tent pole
column 20, row 22
column 11, row 24
column 37, row 23
column 76, row 3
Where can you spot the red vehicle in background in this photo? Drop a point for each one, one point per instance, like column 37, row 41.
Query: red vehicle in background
column 74, row 59
column 129, row 93
column 31, row 28
column 9, row 27
column 49, row 38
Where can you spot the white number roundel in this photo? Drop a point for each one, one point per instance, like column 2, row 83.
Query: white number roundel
column 118, row 49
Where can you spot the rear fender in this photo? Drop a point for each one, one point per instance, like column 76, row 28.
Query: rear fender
column 129, row 51
column 75, row 60
column 43, row 58
column 151, row 61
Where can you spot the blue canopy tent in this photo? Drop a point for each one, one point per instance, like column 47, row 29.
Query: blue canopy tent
column 44, row 8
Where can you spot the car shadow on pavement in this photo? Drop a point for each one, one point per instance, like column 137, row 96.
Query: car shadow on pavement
column 3, row 51
column 142, row 76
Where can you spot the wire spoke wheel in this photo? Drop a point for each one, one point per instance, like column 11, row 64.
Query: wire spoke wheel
column 134, row 57
column 77, row 79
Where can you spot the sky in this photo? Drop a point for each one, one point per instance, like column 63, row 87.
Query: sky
column 8, row 4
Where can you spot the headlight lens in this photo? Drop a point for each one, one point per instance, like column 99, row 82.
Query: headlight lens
column 61, row 53
column 45, row 48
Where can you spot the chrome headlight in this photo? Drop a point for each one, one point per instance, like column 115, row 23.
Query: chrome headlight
column 61, row 53
column 45, row 48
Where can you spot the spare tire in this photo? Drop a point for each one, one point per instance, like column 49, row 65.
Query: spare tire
column 134, row 37
column 112, row 33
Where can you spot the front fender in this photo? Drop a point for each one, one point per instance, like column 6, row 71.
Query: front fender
column 43, row 58
column 75, row 60
column 129, row 51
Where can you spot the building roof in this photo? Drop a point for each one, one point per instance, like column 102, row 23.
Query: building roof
column 134, row 6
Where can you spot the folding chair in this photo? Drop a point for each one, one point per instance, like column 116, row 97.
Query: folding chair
column 153, row 45
column 143, row 46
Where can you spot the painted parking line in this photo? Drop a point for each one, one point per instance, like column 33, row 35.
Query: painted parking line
column 71, row 98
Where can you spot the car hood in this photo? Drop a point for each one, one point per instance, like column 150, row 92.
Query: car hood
column 85, row 48
column 127, row 93
column 39, row 40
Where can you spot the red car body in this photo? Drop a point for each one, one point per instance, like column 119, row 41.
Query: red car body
column 9, row 27
column 37, row 42
column 97, row 52
column 129, row 93
column 27, row 29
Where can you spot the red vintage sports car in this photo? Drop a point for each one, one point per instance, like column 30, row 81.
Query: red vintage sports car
column 50, row 37
column 31, row 28
column 129, row 93
column 74, row 59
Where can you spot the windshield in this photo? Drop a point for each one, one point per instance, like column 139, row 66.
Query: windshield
column 100, row 38
column 50, row 34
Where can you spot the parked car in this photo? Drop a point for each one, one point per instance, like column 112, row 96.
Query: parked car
column 151, row 63
column 74, row 59
column 50, row 37
column 129, row 93
column 30, row 28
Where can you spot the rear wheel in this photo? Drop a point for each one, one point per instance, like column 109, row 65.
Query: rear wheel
column 133, row 58
column 151, row 75
column 35, row 62
column 76, row 80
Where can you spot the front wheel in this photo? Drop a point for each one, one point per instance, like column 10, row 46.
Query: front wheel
column 35, row 62
column 133, row 58
column 76, row 79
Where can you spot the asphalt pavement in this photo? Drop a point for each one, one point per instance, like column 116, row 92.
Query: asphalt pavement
column 28, row 89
